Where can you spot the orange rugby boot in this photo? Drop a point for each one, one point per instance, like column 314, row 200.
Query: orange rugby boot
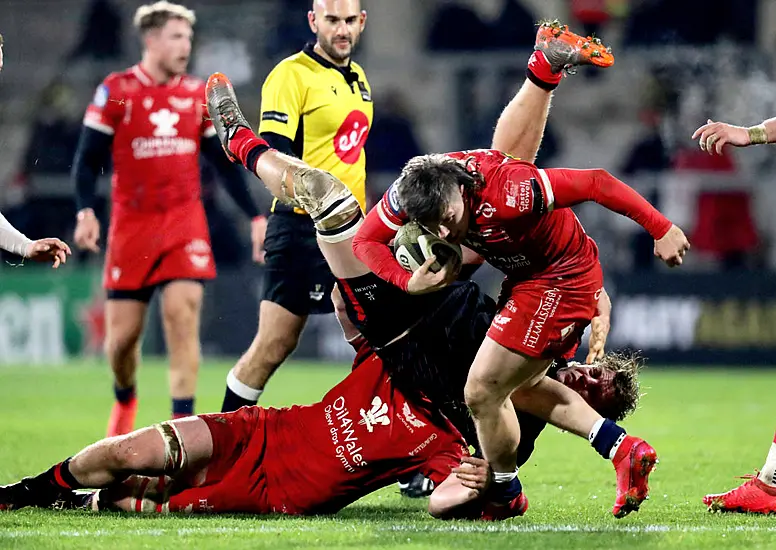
column 752, row 497
column 565, row 50
column 224, row 111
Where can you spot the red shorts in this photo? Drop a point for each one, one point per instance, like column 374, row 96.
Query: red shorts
column 148, row 248
column 235, row 479
column 546, row 318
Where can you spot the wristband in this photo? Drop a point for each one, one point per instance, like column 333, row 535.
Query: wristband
column 757, row 134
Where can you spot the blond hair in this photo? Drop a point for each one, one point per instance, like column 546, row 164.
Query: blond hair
column 156, row 15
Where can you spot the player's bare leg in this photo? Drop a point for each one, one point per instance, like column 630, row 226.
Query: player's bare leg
column 520, row 127
column 124, row 321
column 181, row 306
column 277, row 336
column 173, row 448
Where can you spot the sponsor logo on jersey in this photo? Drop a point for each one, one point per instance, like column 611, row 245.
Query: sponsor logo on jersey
column 393, row 198
column 501, row 319
column 423, row 445
column 525, row 202
column 277, row 116
column 101, row 96
column 486, row 210
column 148, row 103
column 351, row 136
column 376, row 416
column 546, row 310
column 409, row 419
column 181, row 103
column 165, row 141
column 317, row 294
column 341, row 429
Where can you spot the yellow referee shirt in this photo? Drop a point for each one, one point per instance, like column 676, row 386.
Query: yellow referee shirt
column 325, row 110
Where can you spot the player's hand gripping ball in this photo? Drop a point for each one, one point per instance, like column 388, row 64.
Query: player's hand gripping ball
column 414, row 244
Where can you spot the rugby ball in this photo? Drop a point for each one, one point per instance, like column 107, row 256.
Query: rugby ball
column 413, row 245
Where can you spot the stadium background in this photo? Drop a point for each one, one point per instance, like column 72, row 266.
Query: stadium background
column 439, row 84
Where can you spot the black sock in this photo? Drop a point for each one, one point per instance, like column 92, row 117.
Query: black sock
column 58, row 477
column 609, row 434
column 124, row 395
column 232, row 401
column 182, row 407
column 504, row 493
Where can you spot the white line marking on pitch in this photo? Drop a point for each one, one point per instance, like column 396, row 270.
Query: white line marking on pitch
column 447, row 528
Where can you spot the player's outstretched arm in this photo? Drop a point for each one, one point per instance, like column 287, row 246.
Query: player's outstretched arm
column 572, row 187
column 43, row 250
column 713, row 136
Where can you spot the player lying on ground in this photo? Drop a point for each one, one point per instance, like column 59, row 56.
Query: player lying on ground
column 337, row 218
column 518, row 217
column 11, row 239
column 299, row 460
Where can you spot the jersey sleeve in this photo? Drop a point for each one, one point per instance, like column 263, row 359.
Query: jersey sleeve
column 447, row 455
column 371, row 243
column 281, row 101
column 520, row 189
column 106, row 110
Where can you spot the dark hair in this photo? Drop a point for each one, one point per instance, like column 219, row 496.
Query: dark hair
column 156, row 15
column 428, row 181
column 626, row 367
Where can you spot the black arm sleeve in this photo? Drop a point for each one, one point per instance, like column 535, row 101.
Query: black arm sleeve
column 280, row 143
column 231, row 176
column 91, row 156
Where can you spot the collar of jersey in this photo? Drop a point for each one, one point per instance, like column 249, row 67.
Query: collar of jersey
column 146, row 79
column 347, row 72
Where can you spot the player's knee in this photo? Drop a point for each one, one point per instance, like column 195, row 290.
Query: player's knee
column 180, row 318
column 120, row 345
column 478, row 397
column 329, row 202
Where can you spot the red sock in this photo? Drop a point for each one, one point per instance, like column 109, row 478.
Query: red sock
column 243, row 143
column 539, row 72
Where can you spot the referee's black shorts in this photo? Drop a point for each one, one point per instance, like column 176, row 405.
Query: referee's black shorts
column 296, row 275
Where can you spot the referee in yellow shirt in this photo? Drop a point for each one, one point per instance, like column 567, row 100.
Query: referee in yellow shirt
column 315, row 105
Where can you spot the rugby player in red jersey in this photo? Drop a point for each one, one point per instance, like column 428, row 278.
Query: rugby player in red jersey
column 151, row 117
column 517, row 216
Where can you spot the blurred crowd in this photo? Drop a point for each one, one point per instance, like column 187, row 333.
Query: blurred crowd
column 722, row 220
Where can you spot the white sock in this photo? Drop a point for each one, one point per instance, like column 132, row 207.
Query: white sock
column 504, row 477
column 616, row 446
column 243, row 390
column 768, row 473
column 594, row 430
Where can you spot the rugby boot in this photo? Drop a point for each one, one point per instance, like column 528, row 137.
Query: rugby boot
column 224, row 111
column 493, row 511
column 752, row 497
column 634, row 461
column 565, row 50
column 122, row 418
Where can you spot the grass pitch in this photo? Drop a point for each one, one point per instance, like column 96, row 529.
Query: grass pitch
column 707, row 425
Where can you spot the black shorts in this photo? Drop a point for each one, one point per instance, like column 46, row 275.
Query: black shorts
column 441, row 333
column 143, row 294
column 296, row 275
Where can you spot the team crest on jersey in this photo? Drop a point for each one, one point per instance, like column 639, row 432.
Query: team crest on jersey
column 165, row 121
column 350, row 139
column 376, row 416
column 181, row 103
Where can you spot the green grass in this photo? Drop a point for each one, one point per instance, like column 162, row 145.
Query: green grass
column 708, row 426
